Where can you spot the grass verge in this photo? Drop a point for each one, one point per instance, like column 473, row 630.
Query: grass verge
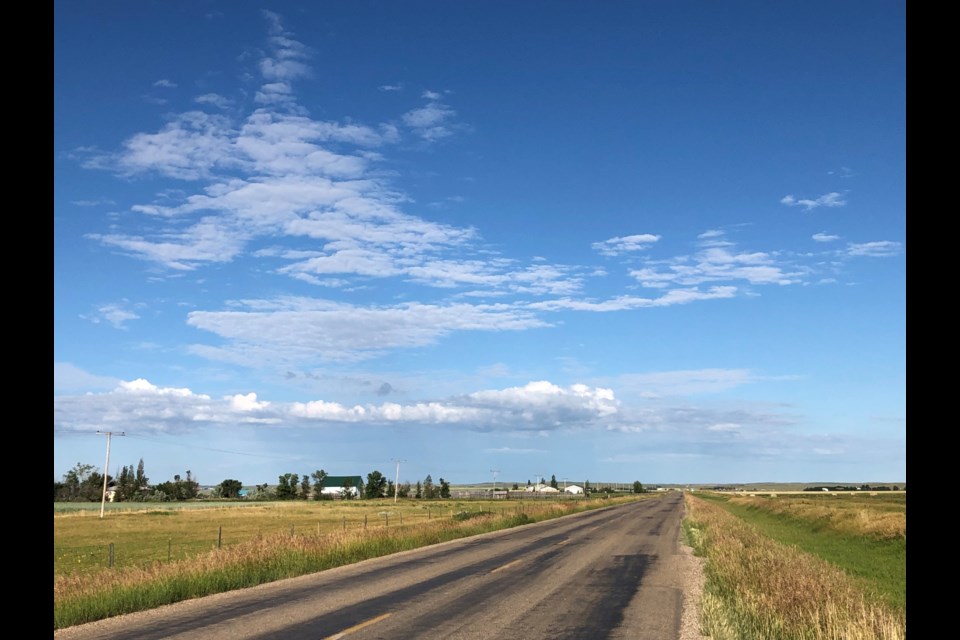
column 877, row 560
column 760, row 588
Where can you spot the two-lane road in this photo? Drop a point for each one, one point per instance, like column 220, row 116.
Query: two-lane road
column 607, row 573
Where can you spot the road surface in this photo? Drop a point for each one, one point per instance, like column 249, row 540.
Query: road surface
column 607, row 573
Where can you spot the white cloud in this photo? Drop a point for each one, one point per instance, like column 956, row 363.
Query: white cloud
column 728, row 427
column 824, row 237
column 717, row 264
column 115, row 314
column 207, row 241
column 303, row 330
column 141, row 386
column 214, row 99
column 189, row 147
column 619, row 245
column 141, row 406
column 433, row 121
column 391, row 87
column 880, row 249
column 832, row 199
column 842, row 172
column 246, row 402
column 621, row 303
column 93, row 203
column 165, row 83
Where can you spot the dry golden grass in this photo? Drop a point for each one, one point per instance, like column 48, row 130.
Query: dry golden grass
column 81, row 539
column 882, row 516
column 758, row 588
column 83, row 596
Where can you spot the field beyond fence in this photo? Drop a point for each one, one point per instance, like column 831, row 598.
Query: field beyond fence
column 140, row 535
column 242, row 547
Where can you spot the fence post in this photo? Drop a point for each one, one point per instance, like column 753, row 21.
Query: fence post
column 344, row 523
column 169, row 549
column 219, row 536
column 111, row 555
column 364, row 522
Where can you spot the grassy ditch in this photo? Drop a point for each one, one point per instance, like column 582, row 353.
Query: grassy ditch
column 865, row 536
column 761, row 587
column 82, row 596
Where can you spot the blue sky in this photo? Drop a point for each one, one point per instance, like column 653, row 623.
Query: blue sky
column 611, row 242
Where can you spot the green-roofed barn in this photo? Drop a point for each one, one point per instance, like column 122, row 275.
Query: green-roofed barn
column 337, row 486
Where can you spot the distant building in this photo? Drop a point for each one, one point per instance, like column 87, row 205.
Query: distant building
column 573, row 489
column 335, row 485
column 542, row 488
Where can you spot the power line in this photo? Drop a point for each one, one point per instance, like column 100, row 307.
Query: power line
column 193, row 446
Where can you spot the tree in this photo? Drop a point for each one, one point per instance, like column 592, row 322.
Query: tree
column 229, row 488
column 637, row 487
column 376, row 485
column 77, row 483
column 428, row 489
column 263, row 492
column 287, row 486
column 403, row 491
column 141, row 480
column 553, row 482
column 319, row 479
column 444, row 488
column 516, row 486
column 305, row 487
column 179, row 489
column 347, row 491
column 124, row 487
column 419, row 493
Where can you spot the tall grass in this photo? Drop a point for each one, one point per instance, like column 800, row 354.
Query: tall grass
column 865, row 536
column 82, row 597
column 758, row 588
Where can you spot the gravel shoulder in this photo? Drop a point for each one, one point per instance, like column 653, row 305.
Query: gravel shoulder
column 692, row 576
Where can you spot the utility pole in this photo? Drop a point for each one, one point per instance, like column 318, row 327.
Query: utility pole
column 396, row 483
column 106, row 466
column 494, row 472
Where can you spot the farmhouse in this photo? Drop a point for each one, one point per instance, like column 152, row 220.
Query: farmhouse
column 542, row 488
column 335, row 486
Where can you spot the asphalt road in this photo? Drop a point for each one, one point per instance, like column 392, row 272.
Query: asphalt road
column 601, row 574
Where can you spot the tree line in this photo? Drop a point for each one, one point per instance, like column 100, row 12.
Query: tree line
column 85, row 483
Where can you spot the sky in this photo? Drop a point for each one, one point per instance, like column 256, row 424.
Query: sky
column 481, row 241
